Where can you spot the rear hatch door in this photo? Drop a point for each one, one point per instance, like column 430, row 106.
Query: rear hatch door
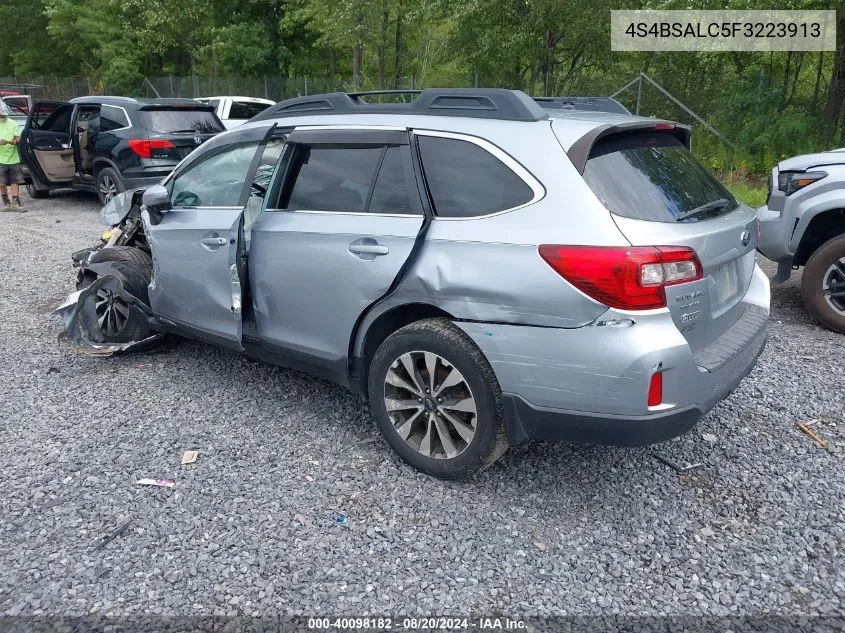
column 177, row 130
column 660, row 195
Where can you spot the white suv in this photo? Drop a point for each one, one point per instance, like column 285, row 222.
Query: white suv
column 235, row 111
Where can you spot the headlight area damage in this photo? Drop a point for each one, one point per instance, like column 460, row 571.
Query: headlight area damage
column 110, row 311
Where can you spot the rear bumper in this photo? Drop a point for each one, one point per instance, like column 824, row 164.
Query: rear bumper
column 141, row 182
column 528, row 422
column 590, row 384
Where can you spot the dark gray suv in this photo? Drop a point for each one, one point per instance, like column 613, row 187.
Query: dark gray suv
column 110, row 144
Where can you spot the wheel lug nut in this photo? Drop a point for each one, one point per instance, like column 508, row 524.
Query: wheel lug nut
column 440, row 400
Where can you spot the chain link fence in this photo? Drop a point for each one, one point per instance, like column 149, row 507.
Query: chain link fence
column 268, row 87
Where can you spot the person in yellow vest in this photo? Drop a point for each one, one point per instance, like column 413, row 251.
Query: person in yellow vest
column 10, row 163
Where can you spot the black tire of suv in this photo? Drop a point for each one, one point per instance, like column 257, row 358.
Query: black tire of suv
column 134, row 330
column 35, row 190
column 108, row 172
column 813, row 278
column 449, row 342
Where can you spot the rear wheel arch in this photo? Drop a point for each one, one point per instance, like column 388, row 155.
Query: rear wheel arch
column 101, row 163
column 822, row 227
column 372, row 332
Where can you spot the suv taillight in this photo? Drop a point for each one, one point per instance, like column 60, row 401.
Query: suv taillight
column 144, row 147
column 628, row 278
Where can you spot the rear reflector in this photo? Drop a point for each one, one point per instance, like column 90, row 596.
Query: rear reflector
column 655, row 390
column 628, row 278
column 144, row 147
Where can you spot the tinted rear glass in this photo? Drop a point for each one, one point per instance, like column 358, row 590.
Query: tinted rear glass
column 182, row 120
column 466, row 180
column 245, row 109
column 652, row 176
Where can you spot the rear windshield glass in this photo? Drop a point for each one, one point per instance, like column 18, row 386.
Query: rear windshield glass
column 652, row 176
column 245, row 109
column 182, row 120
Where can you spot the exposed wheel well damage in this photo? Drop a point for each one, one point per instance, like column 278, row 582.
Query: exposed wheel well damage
column 823, row 227
column 383, row 326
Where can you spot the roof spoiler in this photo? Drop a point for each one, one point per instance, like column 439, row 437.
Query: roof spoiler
column 579, row 152
column 587, row 104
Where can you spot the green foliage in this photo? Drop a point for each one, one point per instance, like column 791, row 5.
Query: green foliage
column 770, row 105
column 752, row 195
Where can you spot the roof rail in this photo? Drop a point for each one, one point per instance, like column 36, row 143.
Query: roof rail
column 482, row 103
column 375, row 93
column 590, row 104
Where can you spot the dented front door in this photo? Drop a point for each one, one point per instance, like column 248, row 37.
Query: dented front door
column 196, row 284
column 195, row 281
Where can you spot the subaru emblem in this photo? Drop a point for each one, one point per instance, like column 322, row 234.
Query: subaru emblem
column 745, row 238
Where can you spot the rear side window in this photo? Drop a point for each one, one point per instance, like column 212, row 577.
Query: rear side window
column 245, row 109
column 183, row 120
column 390, row 193
column 333, row 178
column 112, row 118
column 652, row 176
column 466, row 180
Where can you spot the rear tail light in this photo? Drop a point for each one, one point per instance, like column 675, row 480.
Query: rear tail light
column 655, row 390
column 144, row 147
column 628, row 278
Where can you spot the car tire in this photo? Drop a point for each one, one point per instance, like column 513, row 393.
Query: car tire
column 34, row 190
column 826, row 269
column 131, row 329
column 109, row 184
column 455, row 429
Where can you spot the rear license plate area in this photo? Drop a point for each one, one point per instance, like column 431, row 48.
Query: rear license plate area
column 727, row 283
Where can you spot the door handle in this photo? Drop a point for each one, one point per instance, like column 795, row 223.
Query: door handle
column 369, row 249
column 214, row 241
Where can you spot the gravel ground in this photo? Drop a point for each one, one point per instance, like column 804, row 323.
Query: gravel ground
column 249, row 529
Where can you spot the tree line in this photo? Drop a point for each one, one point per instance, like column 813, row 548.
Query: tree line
column 770, row 105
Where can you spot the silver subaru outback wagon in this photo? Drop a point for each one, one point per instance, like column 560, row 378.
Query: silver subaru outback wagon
column 484, row 270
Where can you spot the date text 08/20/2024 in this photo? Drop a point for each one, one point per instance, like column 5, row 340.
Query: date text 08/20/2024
column 421, row 623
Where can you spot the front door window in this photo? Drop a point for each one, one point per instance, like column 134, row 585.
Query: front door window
column 215, row 181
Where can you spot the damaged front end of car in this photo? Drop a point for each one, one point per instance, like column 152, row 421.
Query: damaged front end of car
column 110, row 311
column 122, row 215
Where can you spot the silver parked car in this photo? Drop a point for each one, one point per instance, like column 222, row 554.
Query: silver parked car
column 803, row 224
column 485, row 270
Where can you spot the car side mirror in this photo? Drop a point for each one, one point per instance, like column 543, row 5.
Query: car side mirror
column 156, row 199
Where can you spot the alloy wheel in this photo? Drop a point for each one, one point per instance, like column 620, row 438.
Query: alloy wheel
column 833, row 286
column 430, row 404
column 108, row 189
column 112, row 313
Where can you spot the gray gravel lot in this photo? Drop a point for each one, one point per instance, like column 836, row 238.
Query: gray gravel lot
column 551, row 529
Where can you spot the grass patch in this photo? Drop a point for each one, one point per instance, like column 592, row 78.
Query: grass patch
column 751, row 193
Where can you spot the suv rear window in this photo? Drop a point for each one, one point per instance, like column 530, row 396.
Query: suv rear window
column 182, row 120
column 245, row 109
column 652, row 176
